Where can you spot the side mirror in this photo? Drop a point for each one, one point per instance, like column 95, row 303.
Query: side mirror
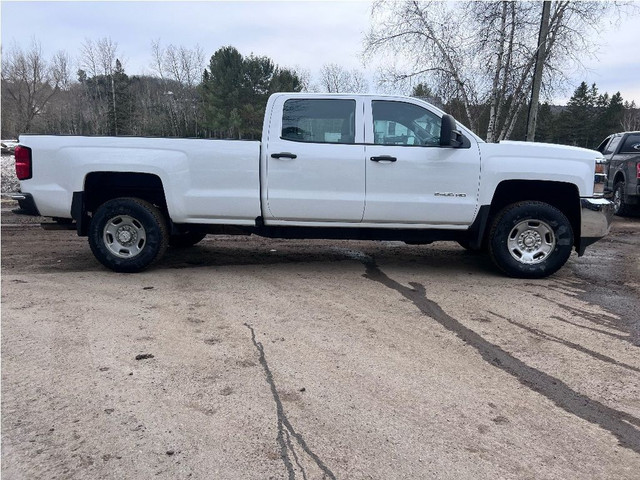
column 450, row 136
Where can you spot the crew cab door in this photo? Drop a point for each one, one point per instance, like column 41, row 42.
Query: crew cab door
column 315, row 167
column 411, row 179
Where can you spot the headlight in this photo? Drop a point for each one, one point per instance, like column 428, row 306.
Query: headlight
column 600, row 179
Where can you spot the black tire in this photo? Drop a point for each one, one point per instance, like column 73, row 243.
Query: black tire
column 620, row 207
column 530, row 240
column 184, row 240
column 128, row 234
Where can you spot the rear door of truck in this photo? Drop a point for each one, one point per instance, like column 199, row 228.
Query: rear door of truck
column 315, row 168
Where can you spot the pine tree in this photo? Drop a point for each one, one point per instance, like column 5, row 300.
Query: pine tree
column 235, row 90
column 611, row 118
column 545, row 127
column 577, row 121
column 221, row 91
column 121, row 104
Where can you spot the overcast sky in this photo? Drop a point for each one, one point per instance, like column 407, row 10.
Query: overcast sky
column 293, row 34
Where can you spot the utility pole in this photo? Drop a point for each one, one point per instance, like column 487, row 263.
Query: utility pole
column 541, row 54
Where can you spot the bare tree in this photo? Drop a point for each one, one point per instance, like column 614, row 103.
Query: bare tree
column 482, row 54
column 180, row 69
column 30, row 81
column 305, row 78
column 631, row 117
column 336, row 79
column 98, row 59
column 180, row 64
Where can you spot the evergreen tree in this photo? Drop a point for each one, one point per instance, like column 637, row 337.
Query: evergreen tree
column 285, row 80
column 577, row 121
column 235, row 90
column 121, row 104
column 611, row 118
column 545, row 127
column 425, row 92
column 221, row 91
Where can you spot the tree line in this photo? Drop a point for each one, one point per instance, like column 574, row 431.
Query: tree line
column 485, row 86
column 184, row 97
column 587, row 118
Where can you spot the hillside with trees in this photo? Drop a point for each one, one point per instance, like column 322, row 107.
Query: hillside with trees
column 183, row 99
column 226, row 98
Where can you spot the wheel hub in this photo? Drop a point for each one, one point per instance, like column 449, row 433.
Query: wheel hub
column 617, row 199
column 124, row 236
column 531, row 241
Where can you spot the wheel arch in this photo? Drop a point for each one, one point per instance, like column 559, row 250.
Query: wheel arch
column 618, row 177
column 100, row 187
column 562, row 195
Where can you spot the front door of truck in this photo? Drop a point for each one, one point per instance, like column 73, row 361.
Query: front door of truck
column 315, row 166
column 411, row 179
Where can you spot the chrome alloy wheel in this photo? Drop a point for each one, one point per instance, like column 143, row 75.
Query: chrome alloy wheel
column 617, row 199
column 124, row 236
column 531, row 241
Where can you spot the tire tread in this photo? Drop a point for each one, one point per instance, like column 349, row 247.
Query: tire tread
column 136, row 264
column 525, row 273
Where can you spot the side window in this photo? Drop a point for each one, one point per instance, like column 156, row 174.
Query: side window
column 613, row 144
column 603, row 145
column 631, row 144
column 399, row 123
column 319, row 120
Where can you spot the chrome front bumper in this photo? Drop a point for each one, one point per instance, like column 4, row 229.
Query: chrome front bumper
column 596, row 215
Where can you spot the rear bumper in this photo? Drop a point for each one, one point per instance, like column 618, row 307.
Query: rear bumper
column 595, row 221
column 26, row 203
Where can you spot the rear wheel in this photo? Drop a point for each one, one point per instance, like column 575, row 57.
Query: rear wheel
column 530, row 240
column 128, row 234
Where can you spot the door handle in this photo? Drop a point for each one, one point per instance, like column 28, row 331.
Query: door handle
column 284, row 155
column 384, row 158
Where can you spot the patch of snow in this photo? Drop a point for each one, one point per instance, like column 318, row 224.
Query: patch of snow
column 9, row 182
column 7, row 147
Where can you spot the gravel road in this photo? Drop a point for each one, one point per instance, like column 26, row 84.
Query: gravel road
column 248, row 358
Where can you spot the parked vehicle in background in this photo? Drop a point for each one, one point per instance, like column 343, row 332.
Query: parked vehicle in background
column 621, row 152
column 329, row 166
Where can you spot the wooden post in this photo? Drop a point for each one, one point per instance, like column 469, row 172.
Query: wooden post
column 541, row 54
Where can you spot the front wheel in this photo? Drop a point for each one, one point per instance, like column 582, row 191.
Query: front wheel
column 128, row 234
column 530, row 240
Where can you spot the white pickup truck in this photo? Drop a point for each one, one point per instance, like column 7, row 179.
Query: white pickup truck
column 328, row 166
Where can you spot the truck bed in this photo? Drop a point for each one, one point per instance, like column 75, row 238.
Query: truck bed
column 205, row 181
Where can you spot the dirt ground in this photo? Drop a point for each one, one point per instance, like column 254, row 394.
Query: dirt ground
column 248, row 358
